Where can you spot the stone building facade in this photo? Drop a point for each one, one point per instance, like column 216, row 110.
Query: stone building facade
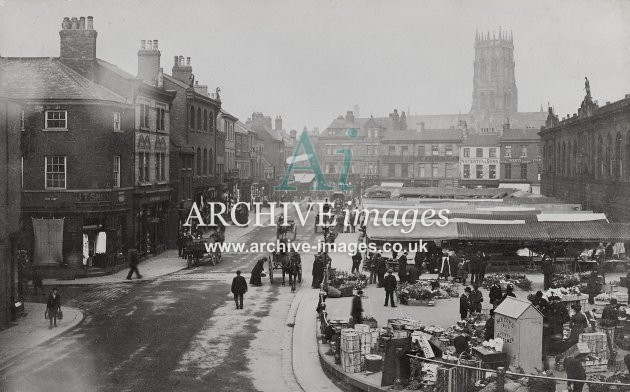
column 586, row 157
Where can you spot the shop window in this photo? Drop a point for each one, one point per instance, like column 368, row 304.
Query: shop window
column 508, row 171
column 523, row 170
column 466, row 171
column 492, row 171
column 479, row 171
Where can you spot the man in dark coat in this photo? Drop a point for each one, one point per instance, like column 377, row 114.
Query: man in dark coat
column 402, row 267
column 255, row 278
column 414, row 274
column 389, row 283
column 557, row 316
column 464, row 303
column 356, row 261
column 357, row 308
column 475, row 264
column 239, row 287
column 592, row 287
column 381, row 269
column 418, row 259
column 547, row 270
column 318, row 270
column 133, row 264
column 575, row 371
column 476, row 298
column 53, row 306
column 496, row 294
column 489, row 329
column 610, row 314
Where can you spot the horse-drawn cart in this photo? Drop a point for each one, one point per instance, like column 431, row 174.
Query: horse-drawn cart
column 290, row 263
column 287, row 232
column 196, row 251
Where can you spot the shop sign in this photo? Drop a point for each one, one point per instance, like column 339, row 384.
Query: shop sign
column 91, row 197
column 156, row 198
column 479, row 161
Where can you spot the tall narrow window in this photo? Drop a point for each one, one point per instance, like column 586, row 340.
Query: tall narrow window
column 492, row 171
column 435, row 150
column 199, row 119
column 479, row 171
column 205, row 120
column 435, row 170
column 523, row 171
column 116, row 121
column 160, row 119
column 479, row 153
column 205, row 161
column 466, row 171
column 158, row 166
column 191, row 118
column 116, row 178
column 146, row 167
column 492, row 152
column 466, row 152
column 144, row 115
column 524, row 151
column 199, row 172
column 210, row 162
column 55, row 172
column 508, row 151
column 508, row 171
column 449, row 149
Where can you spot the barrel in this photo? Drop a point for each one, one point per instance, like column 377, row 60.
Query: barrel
column 350, row 342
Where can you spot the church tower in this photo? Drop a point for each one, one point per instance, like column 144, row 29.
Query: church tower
column 494, row 85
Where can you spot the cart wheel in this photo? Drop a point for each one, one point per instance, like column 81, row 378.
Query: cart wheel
column 300, row 275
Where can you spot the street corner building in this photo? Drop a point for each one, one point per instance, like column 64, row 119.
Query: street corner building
column 95, row 153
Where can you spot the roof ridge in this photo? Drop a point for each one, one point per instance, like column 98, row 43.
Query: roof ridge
column 83, row 82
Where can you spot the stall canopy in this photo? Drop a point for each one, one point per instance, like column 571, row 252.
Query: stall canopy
column 304, row 178
column 502, row 232
column 588, row 231
column 419, row 232
column 571, row 217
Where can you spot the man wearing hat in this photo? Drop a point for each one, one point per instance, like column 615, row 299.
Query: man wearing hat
column 389, row 283
column 402, row 267
column 489, row 329
column 381, row 268
column 357, row 308
column 239, row 287
column 609, row 314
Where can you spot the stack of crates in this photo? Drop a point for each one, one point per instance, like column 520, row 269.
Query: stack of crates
column 365, row 339
column 350, row 351
column 376, row 334
column 598, row 346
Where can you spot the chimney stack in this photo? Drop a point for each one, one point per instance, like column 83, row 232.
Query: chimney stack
column 149, row 62
column 182, row 71
column 278, row 123
column 78, row 45
column 350, row 116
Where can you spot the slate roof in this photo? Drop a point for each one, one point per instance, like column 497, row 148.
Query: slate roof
column 519, row 134
column 481, row 141
column 49, row 78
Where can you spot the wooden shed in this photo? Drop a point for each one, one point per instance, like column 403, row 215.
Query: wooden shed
column 520, row 325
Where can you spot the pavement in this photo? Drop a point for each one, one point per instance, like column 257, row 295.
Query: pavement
column 32, row 330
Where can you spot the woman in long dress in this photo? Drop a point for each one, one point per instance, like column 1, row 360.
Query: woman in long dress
column 258, row 269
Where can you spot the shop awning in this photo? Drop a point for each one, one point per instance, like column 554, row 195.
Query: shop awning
column 588, row 231
column 299, row 158
column 501, row 232
column 392, row 184
column 420, row 232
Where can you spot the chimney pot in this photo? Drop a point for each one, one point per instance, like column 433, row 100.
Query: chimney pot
column 90, row 23
column 181, row 60
column 82, row 23
column 155, row 44
column 65, row 25
column 75, row 23
column 142, row 44
column 176, row 62
column 187, row 60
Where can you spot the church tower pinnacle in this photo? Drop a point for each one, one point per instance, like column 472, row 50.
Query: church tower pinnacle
column 494, row 85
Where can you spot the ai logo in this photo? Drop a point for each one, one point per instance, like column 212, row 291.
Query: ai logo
column 320, row 181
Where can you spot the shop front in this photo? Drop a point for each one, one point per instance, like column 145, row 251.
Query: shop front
column 151, row 215
column 63, row 229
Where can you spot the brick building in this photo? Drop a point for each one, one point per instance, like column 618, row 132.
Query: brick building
column 151, row 143
column 10, row 182
column 273, row 149
column 521, row 157
column 227, row 123
column 586, row 157
column 194, row 115
column 73, row 203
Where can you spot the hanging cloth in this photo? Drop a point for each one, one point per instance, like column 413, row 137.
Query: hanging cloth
column 86, row 249
column 445, row 265
column 619, row 248
column 101, row 242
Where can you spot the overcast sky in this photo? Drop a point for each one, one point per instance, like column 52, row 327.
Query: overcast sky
column 310, row 61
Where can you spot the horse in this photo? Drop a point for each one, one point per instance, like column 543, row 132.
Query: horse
column 295, row 263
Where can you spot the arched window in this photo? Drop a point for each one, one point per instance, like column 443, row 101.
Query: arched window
column 205, row 161
column 205, row 120
column 211, row 121
column 564, row 159
column 618, row 166
column 211, row 162
column 192, row 117
column 198, row 161
column 199, row 118
column 599, row 158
